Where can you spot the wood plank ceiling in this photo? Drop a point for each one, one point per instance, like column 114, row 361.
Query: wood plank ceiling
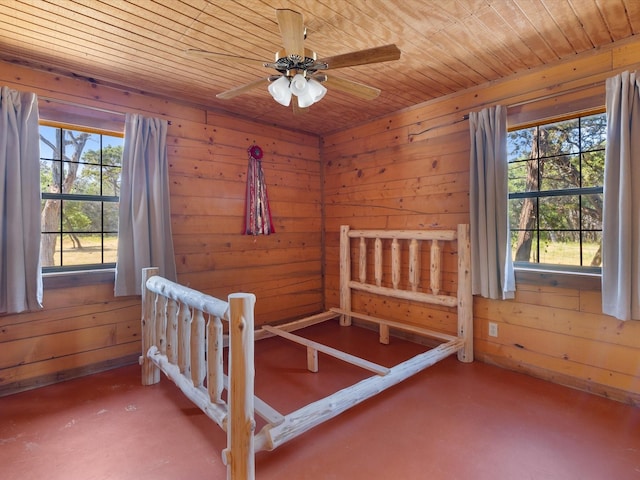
column 447, row 46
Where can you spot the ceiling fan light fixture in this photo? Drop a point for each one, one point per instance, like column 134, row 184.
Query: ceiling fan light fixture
column 298, row 85
column 279, row 90
column 316, row 89
column 305, row 99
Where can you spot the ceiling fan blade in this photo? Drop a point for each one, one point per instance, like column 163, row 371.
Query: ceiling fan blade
column 385, row 53
column 292, row 31
column 349, row 86
column 234, row 92
column 195, row 52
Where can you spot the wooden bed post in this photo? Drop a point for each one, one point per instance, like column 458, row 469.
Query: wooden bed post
column 345, row 274
column 240, row 451
column 150, row 373
column 465, row 296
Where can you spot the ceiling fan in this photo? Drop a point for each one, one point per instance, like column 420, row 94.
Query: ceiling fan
column 301, row 80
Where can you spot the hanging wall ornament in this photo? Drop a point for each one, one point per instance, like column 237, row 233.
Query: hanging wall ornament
column 258, row 214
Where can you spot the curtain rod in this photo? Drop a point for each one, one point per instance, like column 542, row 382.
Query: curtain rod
column 72, row 104
column 517, row 104
column 88, row 107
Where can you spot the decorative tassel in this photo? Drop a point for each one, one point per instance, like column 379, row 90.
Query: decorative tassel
column 258, row 213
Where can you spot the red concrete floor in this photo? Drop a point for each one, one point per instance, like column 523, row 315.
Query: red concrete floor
column 453, row 421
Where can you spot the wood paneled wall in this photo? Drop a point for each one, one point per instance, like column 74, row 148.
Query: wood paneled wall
column 411, row 170
column 82, row 327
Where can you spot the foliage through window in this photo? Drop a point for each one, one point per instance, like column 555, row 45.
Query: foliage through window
column 556, row 174
column 80, row 184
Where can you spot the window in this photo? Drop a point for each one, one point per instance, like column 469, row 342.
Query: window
column 80, row 184
column 556, row 174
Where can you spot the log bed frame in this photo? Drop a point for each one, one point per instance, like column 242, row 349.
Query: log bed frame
column 185, row 334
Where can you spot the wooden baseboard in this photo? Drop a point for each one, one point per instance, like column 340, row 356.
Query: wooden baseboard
column 606, row 391
column 37, row 382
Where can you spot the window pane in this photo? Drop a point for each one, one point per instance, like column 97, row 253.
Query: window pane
column 524, row 246
column 520, row 144
column 592, row 211
column 81, row 248
column 111, row 181
column 51, row 220
column 594, row 131
column 112, row 150
column 50, row 176
column 84, row 179
column 110, row 247
column 593, row 169
column 560, row 213
column 559, row 248
column 78, row 216
column 591, row 253
column 50, row 249
column 75, row 143
column 560, row 173
column 49, row 142
column 522, row 213
column 523, row 176
column 110, row 216
column 557, row 138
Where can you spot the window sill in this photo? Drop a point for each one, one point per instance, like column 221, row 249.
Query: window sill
column 76, row 279
column 550, row 278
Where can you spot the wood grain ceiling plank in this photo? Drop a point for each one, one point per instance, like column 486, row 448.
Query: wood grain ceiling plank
column 419, row 66
column 514, row 16
column 81, row 38
column 100, row 70
column 141, row 23
column 260, row 33
column 488, row 46
column 508, row 38
column 545, row 25
column 615, row 16
column 633, row 14
column 564, row 15
column 416, row 23
column 591, row 20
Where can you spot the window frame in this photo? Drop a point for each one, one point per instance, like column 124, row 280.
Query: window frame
column 61, row 276
column 562, row 276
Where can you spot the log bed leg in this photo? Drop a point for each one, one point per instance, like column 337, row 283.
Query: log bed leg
column 345, row 275
column 312, row 359
column 384, row 334
column 240, row 452
column 150, row 373
column 465, row 296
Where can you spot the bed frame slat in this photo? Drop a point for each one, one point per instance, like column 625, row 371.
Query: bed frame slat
column 346, row 357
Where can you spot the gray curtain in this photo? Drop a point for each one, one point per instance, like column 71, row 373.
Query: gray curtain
column 491, row 263
column 20, row 272
column 144, row 221
column 621, row 216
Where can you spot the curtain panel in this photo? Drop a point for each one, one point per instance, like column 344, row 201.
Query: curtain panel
column 492, row 266
column 144, row 218
column 621, row 215
column 20, row 272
